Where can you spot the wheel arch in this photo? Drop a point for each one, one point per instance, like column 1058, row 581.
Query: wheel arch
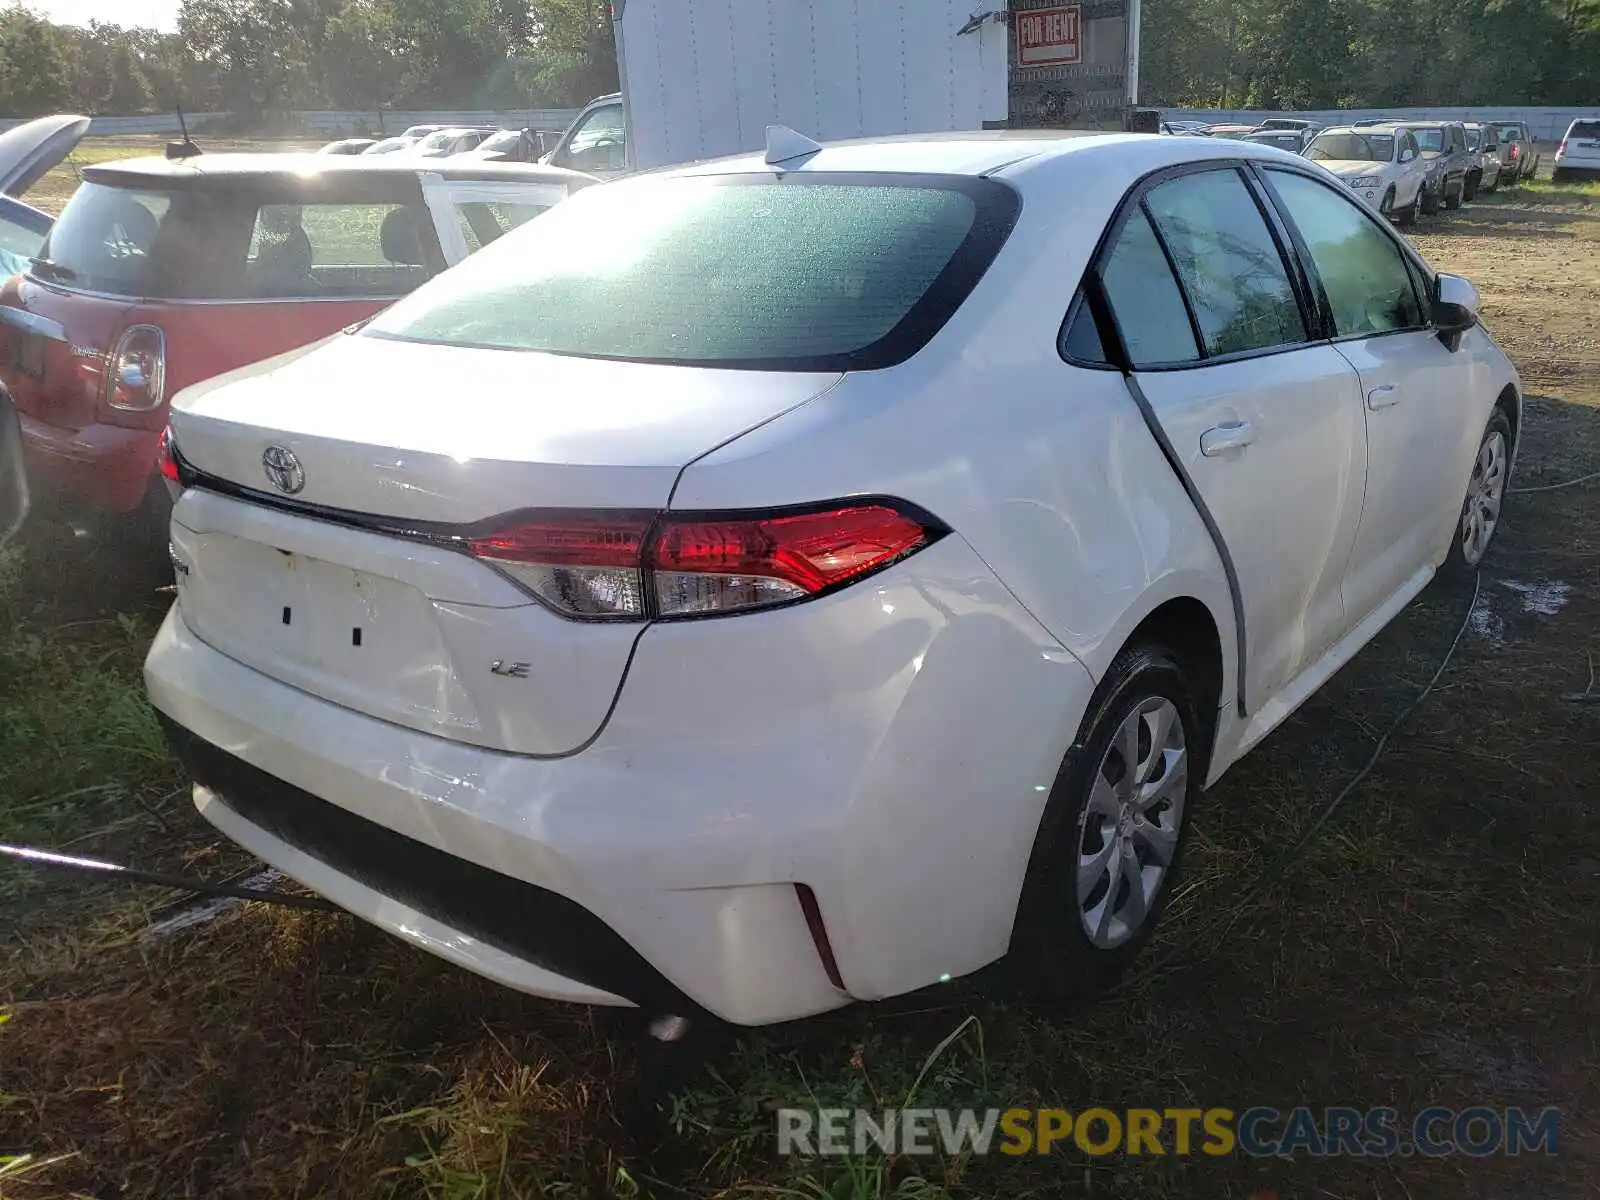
column 1185, row 626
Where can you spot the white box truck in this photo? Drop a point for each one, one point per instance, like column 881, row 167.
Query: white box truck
column 704, row 78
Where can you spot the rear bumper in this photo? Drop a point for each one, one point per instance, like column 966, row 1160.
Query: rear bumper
column 99, row 468
column 901, row 778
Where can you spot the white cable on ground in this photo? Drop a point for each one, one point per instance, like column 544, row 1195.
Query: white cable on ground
column 1556, row 487
column 1277, row 866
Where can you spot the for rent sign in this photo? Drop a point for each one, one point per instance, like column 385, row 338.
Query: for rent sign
column 1050, row 37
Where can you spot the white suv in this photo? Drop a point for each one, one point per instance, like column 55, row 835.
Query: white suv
column 1381, row 163
column 790, row 580
column 1579, row 152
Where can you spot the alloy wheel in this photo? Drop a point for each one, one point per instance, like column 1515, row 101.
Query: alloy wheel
column 1485, row 494
column 1128, row 833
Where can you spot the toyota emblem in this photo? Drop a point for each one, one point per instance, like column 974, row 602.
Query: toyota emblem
column 283, row 469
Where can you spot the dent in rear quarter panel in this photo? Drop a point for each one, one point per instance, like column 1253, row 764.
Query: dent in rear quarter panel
column 1047, row 471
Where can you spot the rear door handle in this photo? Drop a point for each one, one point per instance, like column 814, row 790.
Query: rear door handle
column 1383, row 396
column 1230, row 435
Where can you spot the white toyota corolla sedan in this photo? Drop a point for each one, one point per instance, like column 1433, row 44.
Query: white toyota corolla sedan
column 806, row 577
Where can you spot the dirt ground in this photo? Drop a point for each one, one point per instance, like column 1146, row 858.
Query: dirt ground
column 1434, row 942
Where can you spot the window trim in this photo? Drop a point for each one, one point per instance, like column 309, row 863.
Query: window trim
column 1133, row 200
column 996, row 204
column 1407, row 259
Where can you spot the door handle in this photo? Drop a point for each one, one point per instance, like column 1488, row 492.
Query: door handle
column 1383, row 396
column 1230, row 435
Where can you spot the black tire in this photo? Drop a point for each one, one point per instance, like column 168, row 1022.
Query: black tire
column 1052, row 951
column 1407, row 216
column 1469, row 189
column 1459, row 565
column 1386, row 205
column 1560, row 175
column 1452, row 196
column 1429, row 202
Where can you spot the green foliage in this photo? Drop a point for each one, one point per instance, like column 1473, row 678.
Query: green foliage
column 266, row 57
column 1292, row 54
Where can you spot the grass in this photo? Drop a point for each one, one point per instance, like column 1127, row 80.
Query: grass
column 1434, row 944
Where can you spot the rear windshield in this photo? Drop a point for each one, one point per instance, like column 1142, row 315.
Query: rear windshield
column 798, row 272
column 1584, row 129
column 1511, row 133
column 236, row 243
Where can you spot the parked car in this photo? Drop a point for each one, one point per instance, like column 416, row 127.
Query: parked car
column 1305, row 128
column 417, row 132
column 1483, row 142
column 1382, row 163
column 391, row 145
column 1229, row 130
column 1444, row 149
column 160, row 273
column 718, row 652
column 1522, row 151
column 1292, row 140
column 597, row 137
column 509, row 145
column 450, row 141
column 1578, row 155
column 1184, row 128
column 349, row 146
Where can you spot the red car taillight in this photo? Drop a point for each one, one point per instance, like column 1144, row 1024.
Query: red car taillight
column 166, row 458
column 136, row 375
column 628, row 567
column 1516, row 151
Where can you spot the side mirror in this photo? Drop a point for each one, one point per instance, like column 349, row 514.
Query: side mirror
column 1408, row 155
column 13, row 480
column 1455, row 308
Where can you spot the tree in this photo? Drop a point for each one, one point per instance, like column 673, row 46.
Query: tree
column 36, row 74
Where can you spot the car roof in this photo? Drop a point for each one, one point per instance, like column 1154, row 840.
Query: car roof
column 156, row 171
column 1013, row 153
column 1375, row 127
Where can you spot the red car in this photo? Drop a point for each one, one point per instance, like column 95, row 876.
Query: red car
column 163, row 272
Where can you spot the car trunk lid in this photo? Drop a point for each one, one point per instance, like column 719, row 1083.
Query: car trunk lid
column 357, row 587
column 28, row 151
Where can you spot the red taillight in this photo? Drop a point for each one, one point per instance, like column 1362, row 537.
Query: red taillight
column 630, row 566
column 705, row 566
column 166, row 459
column 136, row 371
column 1516, row 151
column 1561, row 150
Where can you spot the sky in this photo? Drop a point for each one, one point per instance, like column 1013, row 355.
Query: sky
column 163, row 14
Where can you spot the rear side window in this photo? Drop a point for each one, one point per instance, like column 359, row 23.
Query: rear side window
column 1145, row 299
column 811, row 272
column 21, row 236
column 483, row 223
column 1227, row 261
column 103, row 240
column 336, row 250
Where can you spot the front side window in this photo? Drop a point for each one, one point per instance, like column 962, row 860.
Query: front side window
column 1228, row 262
column 1474, row 139
column 599, row 144
column 1363, row 271
column 1431, row 140
column 1144, row 298
column 353, row 249
column 796, row 272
